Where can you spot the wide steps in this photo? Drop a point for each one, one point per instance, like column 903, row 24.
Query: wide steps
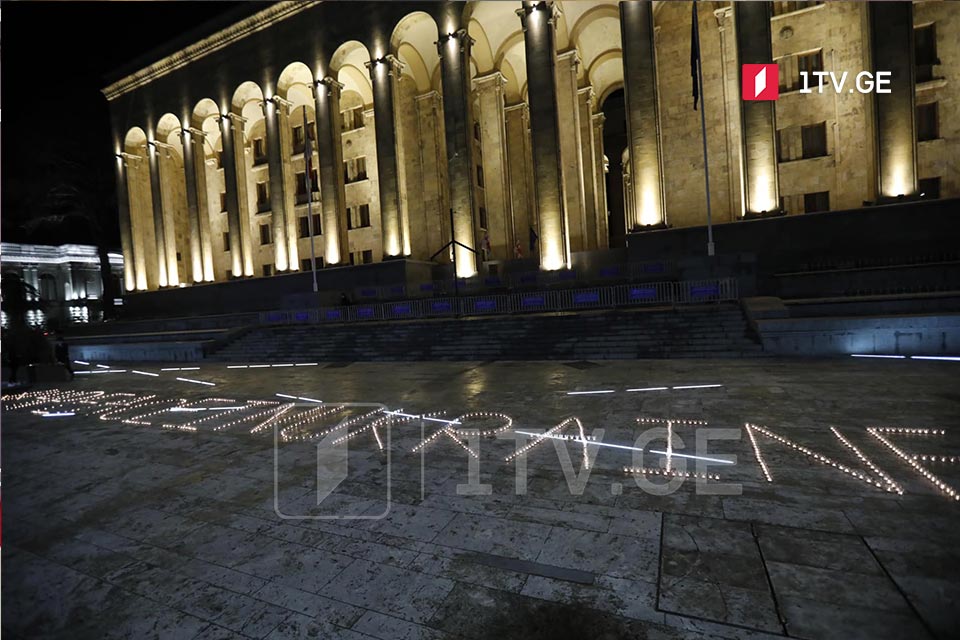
column 693, row 332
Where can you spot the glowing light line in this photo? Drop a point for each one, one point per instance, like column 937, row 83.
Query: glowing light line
column 209, row 384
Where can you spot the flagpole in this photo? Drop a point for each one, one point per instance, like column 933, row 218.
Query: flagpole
column 308, row 165
column 703, row 129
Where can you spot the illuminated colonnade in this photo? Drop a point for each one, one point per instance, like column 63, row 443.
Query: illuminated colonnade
column 495, row 110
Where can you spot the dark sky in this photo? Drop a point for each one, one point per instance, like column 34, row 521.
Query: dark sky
column 56, row 57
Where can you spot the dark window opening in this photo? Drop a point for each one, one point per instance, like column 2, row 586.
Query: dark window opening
column 265, row 234
column 925, row 49
column 259, row 151
column 813, row 202
column 263, row 197
column 929, row 188
column 928, row 127
column 814, row 140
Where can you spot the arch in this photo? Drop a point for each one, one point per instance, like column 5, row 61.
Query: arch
column 606, row 93
column 605, row 73
column 413, row 42
column 247, row 92
column 204, row 110
column 294, row 74
column 348, row 66
column 168, row 129
column 482, row 54
column 595, row 12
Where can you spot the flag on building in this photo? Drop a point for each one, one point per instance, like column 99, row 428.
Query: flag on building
column 694, row 55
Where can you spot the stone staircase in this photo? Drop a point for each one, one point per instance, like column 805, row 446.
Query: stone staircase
column 715, row 331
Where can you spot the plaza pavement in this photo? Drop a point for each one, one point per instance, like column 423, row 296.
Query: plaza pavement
column 133, row 521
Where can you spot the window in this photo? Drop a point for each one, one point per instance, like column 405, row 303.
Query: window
column 479, row 176
column 226, row 241
column 358, row 217
column 302, row 185
column 819, row 201
column 927, row 126
column 476, row 130
column 483, row 218
column 795, row 143
column 259, row 151
column 780, row 8
column 298, row 141
column 929, row 188
column 355, row 169
column 223, row 201
column 268, row 269
column 352, row 119
column 263, row 197
column 368, row 256
column 925, row 48
column 814, row 140
column 305, row 264
column 791, row 66
column 305, row 229
column 265, row 234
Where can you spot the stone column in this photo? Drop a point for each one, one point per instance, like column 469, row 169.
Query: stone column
column 278, row 214
column 330, row 153
column 585, row 101
column 193, row 205
column 230, row 175
column 454, row 51
column 433, row 163
column 493, row 142
column 198, row 140
column 383, row 73
column 172, row 199
column 891, row 39
column 126, row 234
column 643, row 128
column 600, row 173
column 757, row 117
column 521, row 174
column 153, row 157
column 571, row 142
column 538, row 25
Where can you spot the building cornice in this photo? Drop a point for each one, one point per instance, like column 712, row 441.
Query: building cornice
column 257, row 22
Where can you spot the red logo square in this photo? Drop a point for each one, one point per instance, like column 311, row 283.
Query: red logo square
column 760, row 81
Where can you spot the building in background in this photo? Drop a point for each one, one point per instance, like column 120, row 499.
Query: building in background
column 557, row 126
column 63, row 283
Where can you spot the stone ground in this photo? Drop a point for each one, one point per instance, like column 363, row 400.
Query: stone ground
column 118, row 526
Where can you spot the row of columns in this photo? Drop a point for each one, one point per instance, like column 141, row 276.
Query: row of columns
column 564, row 188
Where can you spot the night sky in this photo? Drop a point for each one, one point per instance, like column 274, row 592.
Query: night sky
column 55, row 123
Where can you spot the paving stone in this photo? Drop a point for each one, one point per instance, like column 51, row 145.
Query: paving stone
column 143, row 531
column 402, row 593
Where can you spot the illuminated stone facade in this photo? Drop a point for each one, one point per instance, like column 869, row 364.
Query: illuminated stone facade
column 496, row 110
column 61, row 282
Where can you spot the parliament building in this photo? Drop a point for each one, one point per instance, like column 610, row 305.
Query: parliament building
column 364, row 132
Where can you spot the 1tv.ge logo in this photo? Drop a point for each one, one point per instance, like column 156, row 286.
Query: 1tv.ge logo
column 762, row 82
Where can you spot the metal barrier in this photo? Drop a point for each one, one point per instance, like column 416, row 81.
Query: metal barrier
column 607, row 297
